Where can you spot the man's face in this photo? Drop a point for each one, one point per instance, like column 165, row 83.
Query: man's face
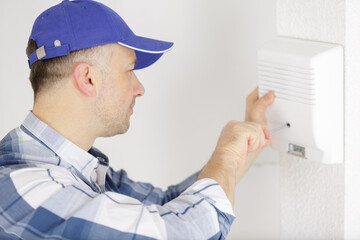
column 118, row 91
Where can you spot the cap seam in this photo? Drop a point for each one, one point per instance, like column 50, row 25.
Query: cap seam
column 68, row 22
column 110, row 19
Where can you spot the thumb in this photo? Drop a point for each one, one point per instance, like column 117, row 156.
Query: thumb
column 267, row 135
column 265, row 101
column 253, row 96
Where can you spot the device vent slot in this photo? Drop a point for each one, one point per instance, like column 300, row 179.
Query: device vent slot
column 285, row 76
column 288, row 82
column 291, row 88
column 282, row 95
column 288, row 68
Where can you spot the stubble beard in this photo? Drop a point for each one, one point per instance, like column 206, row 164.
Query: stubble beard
column 112, row 121
column 116, row 124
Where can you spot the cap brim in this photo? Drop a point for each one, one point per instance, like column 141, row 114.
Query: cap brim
column 147, row 50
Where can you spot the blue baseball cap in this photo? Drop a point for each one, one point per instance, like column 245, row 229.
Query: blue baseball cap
column 80, row 24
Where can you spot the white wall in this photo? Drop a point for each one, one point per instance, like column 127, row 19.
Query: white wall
column 352, row 117
column 312, row 194
column 320, row 201
column 190, row 93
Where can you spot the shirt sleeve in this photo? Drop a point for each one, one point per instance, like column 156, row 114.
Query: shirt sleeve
column 146, row 193
column 49, row 203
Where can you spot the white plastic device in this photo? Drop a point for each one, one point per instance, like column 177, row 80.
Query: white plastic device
column 307, row 79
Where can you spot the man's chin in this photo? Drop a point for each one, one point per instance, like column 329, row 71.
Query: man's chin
column 124, row 128
column 117, row 130
column 123, row 131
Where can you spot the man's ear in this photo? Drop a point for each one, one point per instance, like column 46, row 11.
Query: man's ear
column 84, row 77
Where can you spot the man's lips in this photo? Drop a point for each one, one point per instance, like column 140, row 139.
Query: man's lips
column 132, row 105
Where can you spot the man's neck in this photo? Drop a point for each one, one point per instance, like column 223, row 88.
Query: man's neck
column 69, row 124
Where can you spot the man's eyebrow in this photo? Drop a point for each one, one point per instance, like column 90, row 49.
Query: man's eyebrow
column 135, row 62
column 132, row 63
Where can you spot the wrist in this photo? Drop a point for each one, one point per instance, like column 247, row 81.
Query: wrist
column 223, row 171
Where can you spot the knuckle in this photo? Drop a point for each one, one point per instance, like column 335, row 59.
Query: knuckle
column 258, row 126
column 254, row 125
column 233, row 125
column 231, row 122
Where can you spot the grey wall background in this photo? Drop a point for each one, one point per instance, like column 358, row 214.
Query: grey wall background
column 191, row 93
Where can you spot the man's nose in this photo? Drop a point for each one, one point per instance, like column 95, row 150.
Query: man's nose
column 139, row 89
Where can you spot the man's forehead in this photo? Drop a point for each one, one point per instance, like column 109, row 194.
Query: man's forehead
column 128, row 54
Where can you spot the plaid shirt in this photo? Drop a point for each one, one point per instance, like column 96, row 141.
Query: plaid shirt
column 52, row 189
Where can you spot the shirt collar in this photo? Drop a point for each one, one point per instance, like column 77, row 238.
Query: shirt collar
column 70, row 154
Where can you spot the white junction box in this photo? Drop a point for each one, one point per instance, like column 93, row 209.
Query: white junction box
column 307, row 79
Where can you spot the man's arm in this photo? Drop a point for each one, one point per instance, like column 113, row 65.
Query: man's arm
column 146, row 193
column 255, row 112
column 230, row 158
column 233, row 156
column 49, row 202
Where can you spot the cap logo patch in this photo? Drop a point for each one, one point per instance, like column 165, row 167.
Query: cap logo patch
column 57, row 43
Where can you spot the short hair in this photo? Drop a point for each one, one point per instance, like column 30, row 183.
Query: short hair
column 48, row 73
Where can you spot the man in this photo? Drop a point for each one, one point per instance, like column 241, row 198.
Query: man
column 56, row 185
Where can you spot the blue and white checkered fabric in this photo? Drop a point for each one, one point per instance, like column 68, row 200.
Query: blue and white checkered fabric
column 52, row 189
